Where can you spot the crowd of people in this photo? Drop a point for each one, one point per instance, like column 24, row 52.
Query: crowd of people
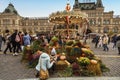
column 104, row 40
column 14, row 42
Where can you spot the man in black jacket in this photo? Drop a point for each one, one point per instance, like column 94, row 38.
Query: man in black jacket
column 15, row 44
column 118, row 43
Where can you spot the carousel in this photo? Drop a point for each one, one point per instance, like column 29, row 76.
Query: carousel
column 69, row 22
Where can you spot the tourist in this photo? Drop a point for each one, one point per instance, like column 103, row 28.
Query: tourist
column 26, row 39
column 105, row 43
column 114, row 40
column 44, row 63
column 96, row 41
column 8, row 43
column 100, row 43
column 118, row 43
column 1, row 39
column 15, row 40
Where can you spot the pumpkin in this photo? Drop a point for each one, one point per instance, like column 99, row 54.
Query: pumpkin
column 62, row 57
column 93, row 61
column 67, row 63
column 76, row 46
column 83, row 55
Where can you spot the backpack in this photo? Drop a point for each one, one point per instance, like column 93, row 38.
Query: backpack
column 17, row 38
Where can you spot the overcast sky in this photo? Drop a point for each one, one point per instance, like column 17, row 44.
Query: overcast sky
column 42, row 8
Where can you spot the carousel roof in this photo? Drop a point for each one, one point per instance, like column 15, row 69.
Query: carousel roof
column 73, row 16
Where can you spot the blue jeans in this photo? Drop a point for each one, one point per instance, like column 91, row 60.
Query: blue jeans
column 105, row 47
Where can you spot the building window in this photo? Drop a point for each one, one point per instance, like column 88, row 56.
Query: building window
column 92, row 22
column 99, row 21
column 99, row 30
column 30, row 23
column 115, row 29
column 13, row 22
column 117, row 22
column 105, row 29
column 23, row 24
column 6, row 21
column 99, row 14
column 106, row 22
column 35, row 23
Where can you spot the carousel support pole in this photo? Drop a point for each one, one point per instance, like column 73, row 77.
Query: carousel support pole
column 68, row 7
column 68, row 30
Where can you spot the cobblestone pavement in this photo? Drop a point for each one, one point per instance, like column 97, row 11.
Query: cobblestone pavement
column 12, row 69
column 111, row 59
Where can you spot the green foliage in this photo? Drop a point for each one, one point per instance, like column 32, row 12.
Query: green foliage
column 83, row 61
column 54, row 39
column 87, row 73
column 66, row 73
column 75, row 51
column 23, row 55
column 69, row 43
column 36, row 45
column 68, row 50
column 104, row 68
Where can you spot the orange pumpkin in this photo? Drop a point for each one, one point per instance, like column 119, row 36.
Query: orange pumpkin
column 62, row 57
column 93, row 61
column 83, row 55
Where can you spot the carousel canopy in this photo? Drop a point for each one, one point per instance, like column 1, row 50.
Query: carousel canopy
column 65, row 16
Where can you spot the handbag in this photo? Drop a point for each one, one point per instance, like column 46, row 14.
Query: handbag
column 43, row 74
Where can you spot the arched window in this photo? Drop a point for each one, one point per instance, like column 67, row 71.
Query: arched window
column 106, row 30
column 91, row 21
column 115, row 29
column 6, row 21
column 99, row 21
column 99, row 30
column 35, row 23
column 13, row 22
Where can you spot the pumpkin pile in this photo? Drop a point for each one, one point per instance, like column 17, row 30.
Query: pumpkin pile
column 71, row 55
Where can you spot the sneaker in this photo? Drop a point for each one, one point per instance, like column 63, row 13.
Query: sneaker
column 16, row 54
column 13, row 54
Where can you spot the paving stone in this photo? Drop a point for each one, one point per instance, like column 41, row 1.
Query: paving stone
column 79, row 78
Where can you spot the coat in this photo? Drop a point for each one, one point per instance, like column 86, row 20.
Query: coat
column 44, row 62
column 118, row 41
column 26, row 40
